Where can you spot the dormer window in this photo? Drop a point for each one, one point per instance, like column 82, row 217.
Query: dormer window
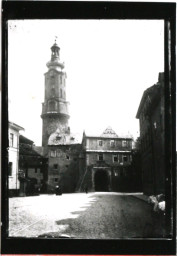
column 58, row 137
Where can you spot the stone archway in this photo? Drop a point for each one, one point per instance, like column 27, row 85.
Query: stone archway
column 101, row 180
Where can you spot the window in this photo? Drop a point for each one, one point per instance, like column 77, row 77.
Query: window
column 66, row 166
column 100, row 143
column 11, row 140
column 112, row 143
column 53, row 153
column 52, row 105
column 10, row 169
column 124, row 143
column 100, row 157
column 56, row 179
column 35, row 170
column 53, row 92
column 125, row 158
column 115, row 158
column 61, row 93
column 67, row 157
column 55, row 166
column 51, row 73
column 60, row 79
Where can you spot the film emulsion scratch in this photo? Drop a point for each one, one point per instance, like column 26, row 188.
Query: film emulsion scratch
column 99, row 171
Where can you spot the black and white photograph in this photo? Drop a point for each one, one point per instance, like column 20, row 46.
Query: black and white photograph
column 86, row 113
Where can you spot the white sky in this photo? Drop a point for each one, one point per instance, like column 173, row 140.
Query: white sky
column 109, row 63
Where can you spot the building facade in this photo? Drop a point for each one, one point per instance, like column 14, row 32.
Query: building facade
column 33, row 168
column 108, row 159
column 13, row 159
column 152, row 134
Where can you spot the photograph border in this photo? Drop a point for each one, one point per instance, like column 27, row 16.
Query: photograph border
column 96, row 10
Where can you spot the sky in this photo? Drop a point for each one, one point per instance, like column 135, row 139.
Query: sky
column 109, row 64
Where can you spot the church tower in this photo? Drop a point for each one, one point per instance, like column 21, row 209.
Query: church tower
column 55, row 107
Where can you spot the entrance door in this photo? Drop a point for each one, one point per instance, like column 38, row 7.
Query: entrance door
column 101, row 180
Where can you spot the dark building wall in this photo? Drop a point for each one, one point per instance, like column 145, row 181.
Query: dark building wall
column 32, row 167
column 64, row 167
column 152, row 135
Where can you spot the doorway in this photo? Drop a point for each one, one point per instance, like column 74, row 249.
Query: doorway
column 101, row 181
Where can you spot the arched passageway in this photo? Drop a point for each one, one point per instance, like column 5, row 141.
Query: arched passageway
column 101, row 181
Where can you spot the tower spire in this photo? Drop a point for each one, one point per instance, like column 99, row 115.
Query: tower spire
column 55, row 62
column 55, row 55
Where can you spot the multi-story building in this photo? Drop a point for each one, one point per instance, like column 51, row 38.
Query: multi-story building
column 13, row 163
column 107, row 162
column 32, row 167
column 151, row 117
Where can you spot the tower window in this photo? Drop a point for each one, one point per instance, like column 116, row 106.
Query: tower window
column 55, row 166
column 56, row 179
column 53, row 92
column 11, row 140
column 52, row 105
column 61, row 93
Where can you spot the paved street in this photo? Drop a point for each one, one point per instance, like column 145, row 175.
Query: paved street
column 93, row 215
